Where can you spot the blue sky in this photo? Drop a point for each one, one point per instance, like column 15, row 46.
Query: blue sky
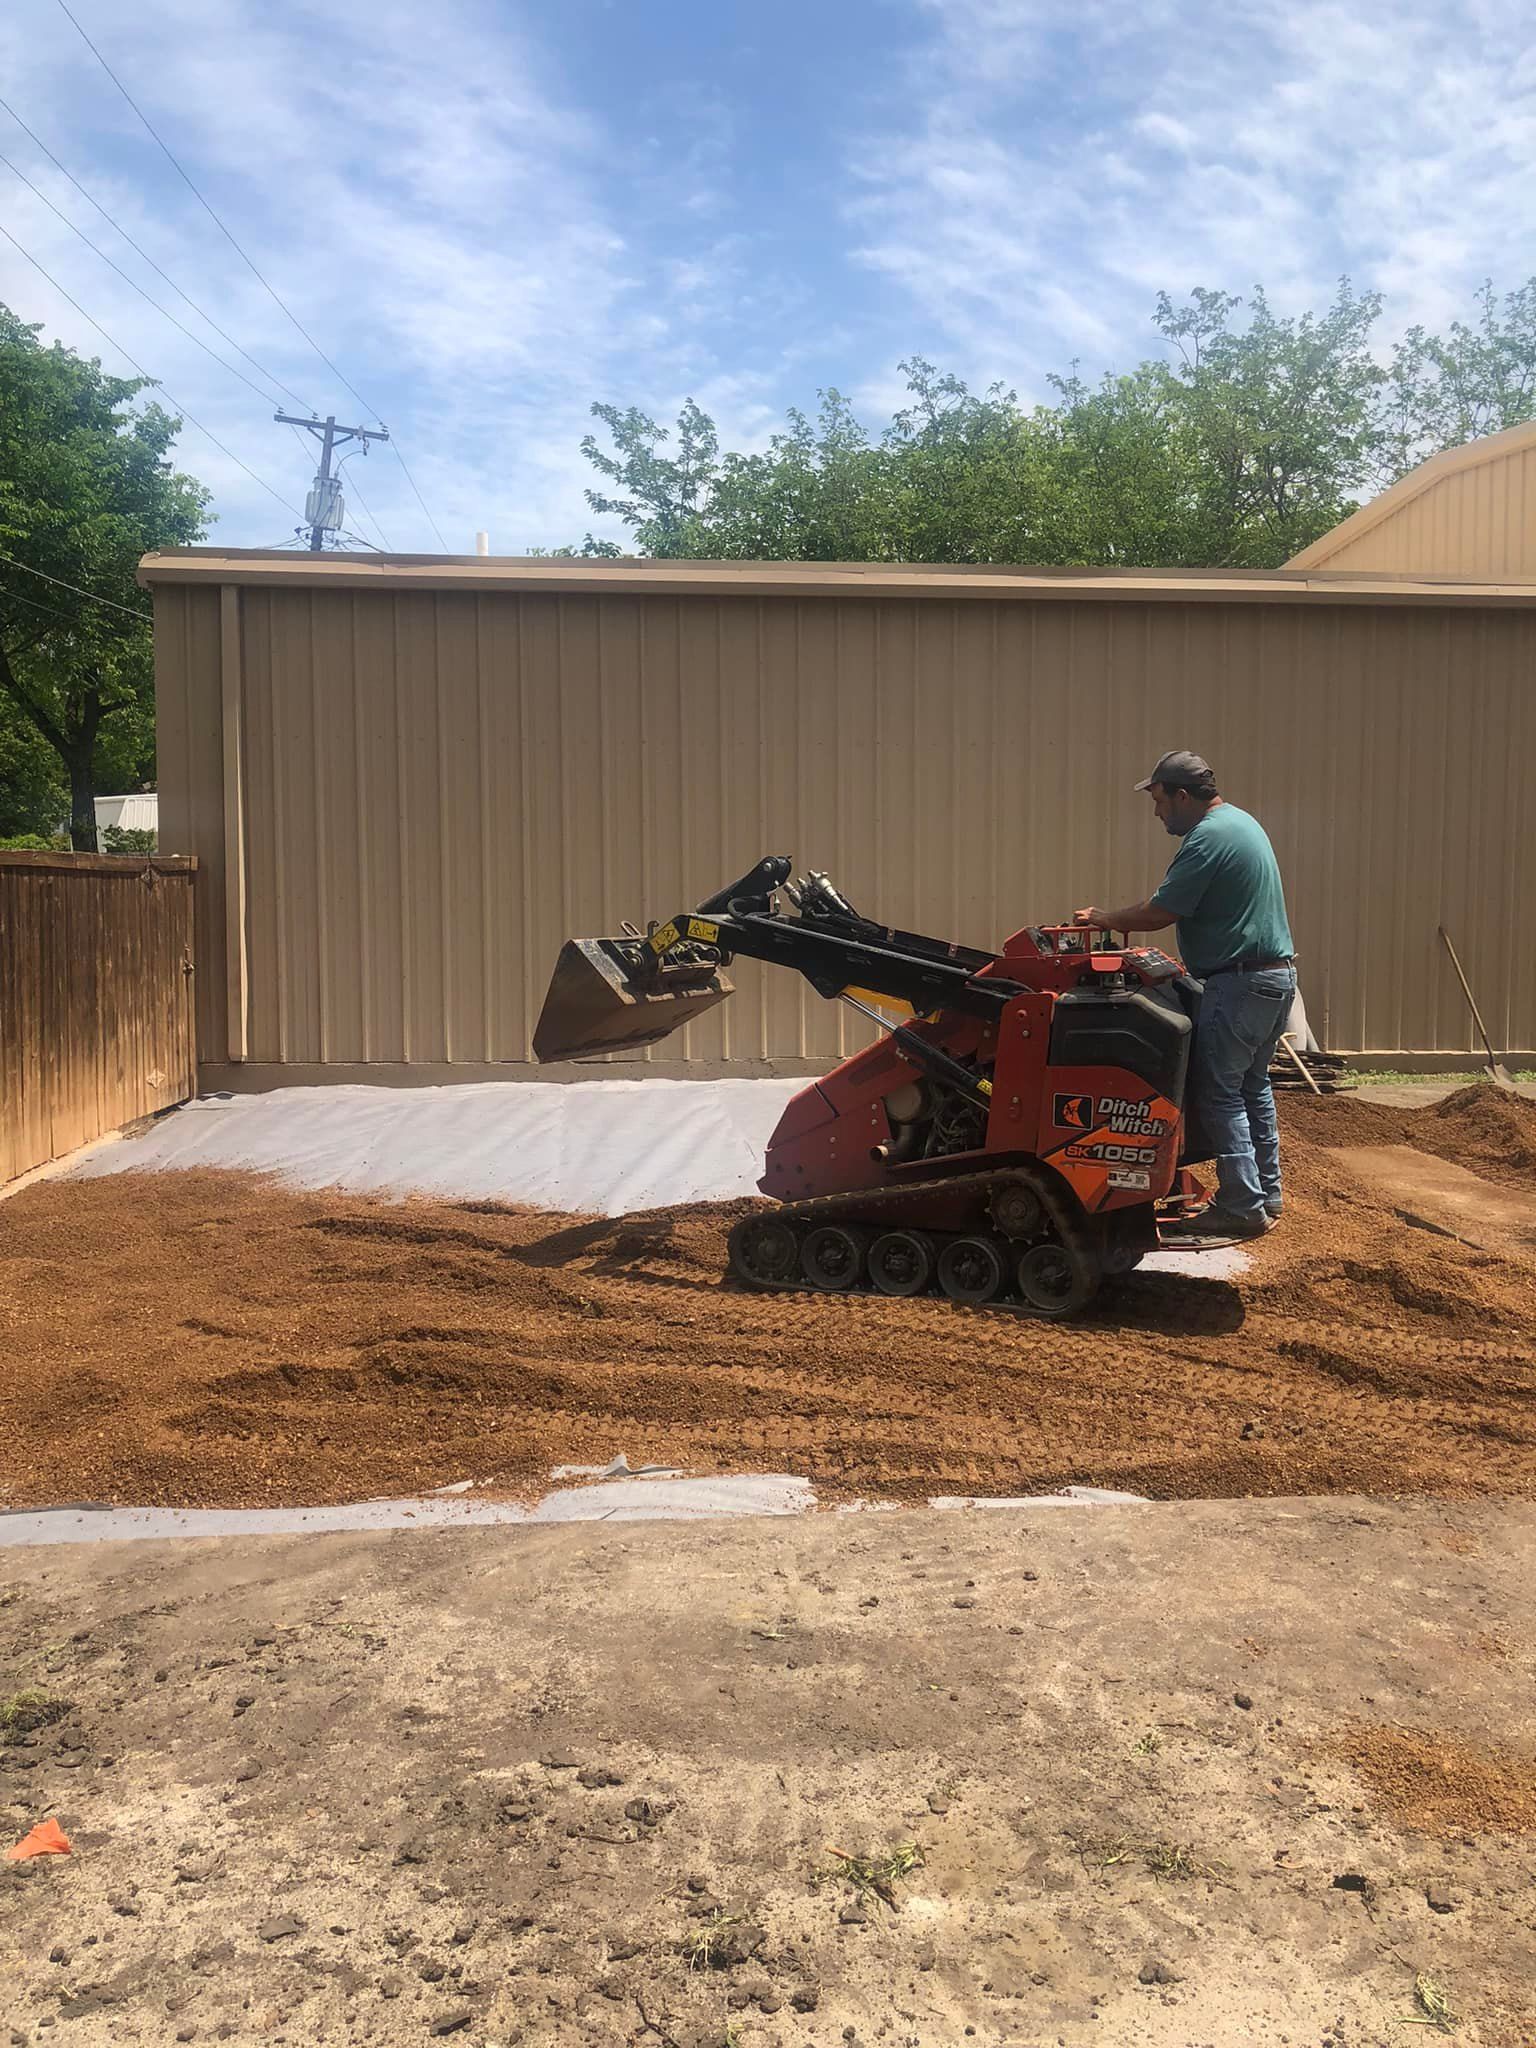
column 491, row 213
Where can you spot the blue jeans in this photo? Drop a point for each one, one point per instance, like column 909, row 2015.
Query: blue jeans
column 1241, row 1019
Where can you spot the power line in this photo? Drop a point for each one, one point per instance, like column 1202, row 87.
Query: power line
column 368, row 513
column 20, row 597
column 421, row 501
column 208, row 431
column 109, row 602
column 355, row 489
column 218, row 223
column 240, row 252
column 139, row 250
column 144, row 295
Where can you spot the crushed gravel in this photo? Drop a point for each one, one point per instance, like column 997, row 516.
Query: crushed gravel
column 211, row 1339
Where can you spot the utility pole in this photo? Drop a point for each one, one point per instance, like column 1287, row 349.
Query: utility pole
column 324, row 506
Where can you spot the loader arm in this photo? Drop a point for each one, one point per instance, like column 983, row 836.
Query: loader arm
column 618, row 994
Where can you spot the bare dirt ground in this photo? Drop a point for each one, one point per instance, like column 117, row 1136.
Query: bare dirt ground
column 1174, row 1777
column 210, row 1339
column 1169, row 1777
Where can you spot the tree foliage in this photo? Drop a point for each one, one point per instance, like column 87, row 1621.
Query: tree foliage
column 129, row 839
column 86, row 488
column 1247, row 438
column 1474, row 380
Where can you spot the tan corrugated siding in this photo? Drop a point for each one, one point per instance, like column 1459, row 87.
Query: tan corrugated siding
column 1478, row 521
column 189, row 728
column 442, row 785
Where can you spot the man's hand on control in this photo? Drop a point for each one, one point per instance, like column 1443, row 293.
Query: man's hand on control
column 1136, row 917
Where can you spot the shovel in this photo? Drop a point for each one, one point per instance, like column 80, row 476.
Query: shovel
column 1497, row 1071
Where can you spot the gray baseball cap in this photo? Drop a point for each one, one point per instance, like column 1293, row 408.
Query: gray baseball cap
column 1182, row 771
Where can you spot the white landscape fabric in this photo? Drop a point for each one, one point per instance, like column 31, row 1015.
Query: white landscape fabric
column 597, row 1147
column 603, row 1148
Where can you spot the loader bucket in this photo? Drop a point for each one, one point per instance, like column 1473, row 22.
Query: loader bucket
column 603, row 998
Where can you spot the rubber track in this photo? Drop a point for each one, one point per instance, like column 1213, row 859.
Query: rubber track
column 854, row 1205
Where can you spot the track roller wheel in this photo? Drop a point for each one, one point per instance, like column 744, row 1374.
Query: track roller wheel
column 832, row 1256
column 1052, row 1282
column 902, row 1262
column 972, row 1270
column 1017, row 1210
column 764, row 1251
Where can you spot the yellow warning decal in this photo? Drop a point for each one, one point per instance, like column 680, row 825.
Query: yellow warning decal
column 892, row 1005
column 664, row 937
column 701, row 928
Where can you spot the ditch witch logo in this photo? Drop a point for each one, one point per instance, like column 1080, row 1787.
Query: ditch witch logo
column 1126, row 1118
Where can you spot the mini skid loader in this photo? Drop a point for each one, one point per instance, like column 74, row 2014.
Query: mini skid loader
column 1015, row 1135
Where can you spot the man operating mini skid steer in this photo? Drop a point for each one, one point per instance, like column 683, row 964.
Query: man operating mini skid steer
column 1224, row 893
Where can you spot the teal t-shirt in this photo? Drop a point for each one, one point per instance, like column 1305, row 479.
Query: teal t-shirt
column 1224, row 889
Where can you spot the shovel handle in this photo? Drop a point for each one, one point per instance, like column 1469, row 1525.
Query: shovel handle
column 1298, row 1063
column 1466, row 990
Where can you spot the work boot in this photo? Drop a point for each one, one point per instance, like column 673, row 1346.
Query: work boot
column 1214, row 1222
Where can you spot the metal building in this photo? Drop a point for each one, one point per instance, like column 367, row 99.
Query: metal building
column 1470, row 511
column 407, row 779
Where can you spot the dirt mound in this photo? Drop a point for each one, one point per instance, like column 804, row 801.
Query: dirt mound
column 1441, row 1785
column 1339, row 1120
column 1484, row 1128
column 1487, row 1129
column 202, row 1338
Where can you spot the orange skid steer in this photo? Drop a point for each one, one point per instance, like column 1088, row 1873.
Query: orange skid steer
column 1014, row 1136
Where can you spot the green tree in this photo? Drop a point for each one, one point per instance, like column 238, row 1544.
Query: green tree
column 1123, row 478
column 817, row 493
column 1247, row 438
column 591, row 549
column 1475, row 380
column 34, row 792
column 129, row 839
column 970, row 479
column 663, row 495
column 1281, row 421
column 86, row 488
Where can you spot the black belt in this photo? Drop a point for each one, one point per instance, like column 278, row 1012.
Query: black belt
column 1247, row 966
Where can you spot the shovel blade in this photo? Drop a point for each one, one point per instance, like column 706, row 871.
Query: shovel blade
column 598, row 1001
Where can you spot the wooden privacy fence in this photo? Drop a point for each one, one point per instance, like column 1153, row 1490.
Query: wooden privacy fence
column 96, row 998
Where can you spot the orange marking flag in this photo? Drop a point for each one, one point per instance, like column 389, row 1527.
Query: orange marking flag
column 46, row 1839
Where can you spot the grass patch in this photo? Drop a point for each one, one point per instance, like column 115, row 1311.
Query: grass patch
column 1434, row 2006
column 1177, row 1861
column 708, row 1947
column 1394, row 1077
column 30, row 1708
column 872, row 1876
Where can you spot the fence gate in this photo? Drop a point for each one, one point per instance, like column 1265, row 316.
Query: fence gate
column 96, row 998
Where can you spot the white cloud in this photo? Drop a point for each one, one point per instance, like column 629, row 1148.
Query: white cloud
column 1164, row 129
column 433, row 207
column 483, row 252
column 1061, row 167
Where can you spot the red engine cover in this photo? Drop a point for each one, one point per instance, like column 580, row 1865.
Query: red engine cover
column 1112, row 1138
